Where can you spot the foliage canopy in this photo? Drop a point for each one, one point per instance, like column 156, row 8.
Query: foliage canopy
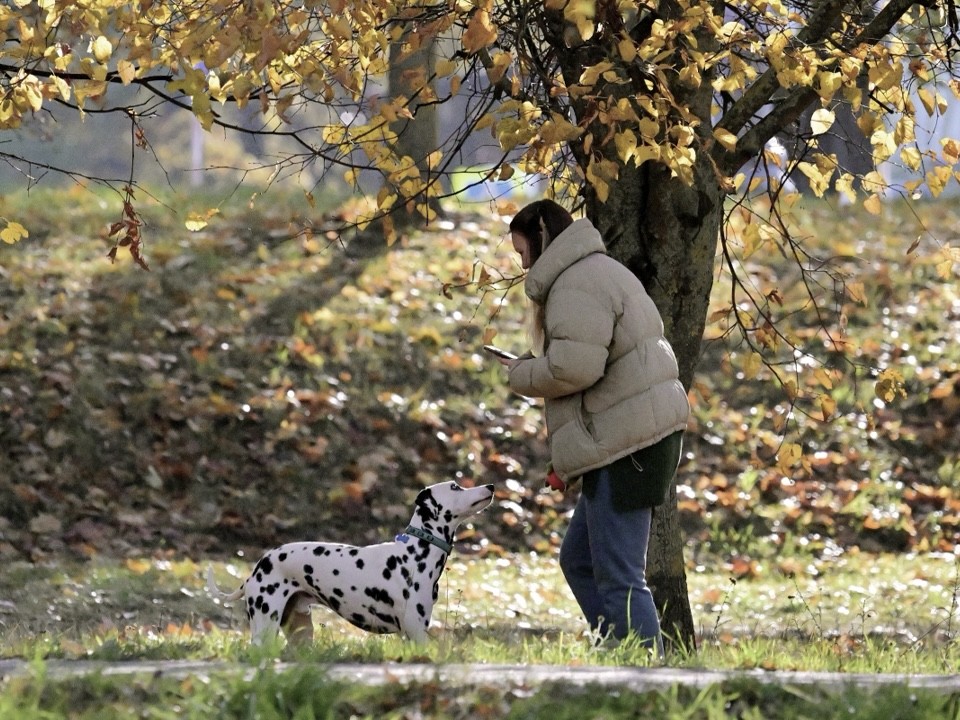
column 607, row 84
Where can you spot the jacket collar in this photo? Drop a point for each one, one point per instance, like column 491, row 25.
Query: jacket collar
column 572, row 245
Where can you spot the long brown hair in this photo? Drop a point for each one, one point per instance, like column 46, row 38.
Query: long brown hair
column 540, row 222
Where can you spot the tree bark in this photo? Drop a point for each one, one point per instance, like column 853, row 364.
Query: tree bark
column 417, row 137
column 666, row 233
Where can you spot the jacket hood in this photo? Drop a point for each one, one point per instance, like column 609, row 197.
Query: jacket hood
column 572, row 245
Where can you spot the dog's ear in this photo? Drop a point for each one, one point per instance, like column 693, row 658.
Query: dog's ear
column 426, row 506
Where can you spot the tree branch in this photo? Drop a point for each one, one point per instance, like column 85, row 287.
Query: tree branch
column 763, row 88
column 790, row 108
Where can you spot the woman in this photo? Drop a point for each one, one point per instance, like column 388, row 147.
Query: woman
column 615, row 410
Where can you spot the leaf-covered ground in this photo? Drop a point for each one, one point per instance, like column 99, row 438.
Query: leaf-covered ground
column 261, row 384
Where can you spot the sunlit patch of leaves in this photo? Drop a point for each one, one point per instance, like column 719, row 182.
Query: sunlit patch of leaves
column 259, row 386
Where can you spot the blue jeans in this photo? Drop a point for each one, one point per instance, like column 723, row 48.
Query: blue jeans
column 604, row 558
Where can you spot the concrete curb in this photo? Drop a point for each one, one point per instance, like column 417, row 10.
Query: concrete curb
column 506, row 676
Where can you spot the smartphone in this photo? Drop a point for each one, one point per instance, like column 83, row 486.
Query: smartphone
column 499, row 353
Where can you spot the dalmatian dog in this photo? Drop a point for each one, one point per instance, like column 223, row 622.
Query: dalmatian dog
column 390, row 587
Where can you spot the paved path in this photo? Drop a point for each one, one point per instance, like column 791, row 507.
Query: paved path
column 633, row 678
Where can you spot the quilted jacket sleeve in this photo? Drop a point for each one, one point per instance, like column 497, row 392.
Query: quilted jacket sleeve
column 579, row 328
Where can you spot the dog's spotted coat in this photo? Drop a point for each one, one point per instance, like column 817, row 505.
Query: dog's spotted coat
column 386, row 588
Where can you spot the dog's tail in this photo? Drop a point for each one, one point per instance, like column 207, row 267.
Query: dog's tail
column 214, row 590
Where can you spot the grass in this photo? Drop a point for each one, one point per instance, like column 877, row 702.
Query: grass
column 158, row 420
column 305, row 691
column 864, row 613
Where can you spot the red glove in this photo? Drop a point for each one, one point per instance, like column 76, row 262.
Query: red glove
column 554, row 481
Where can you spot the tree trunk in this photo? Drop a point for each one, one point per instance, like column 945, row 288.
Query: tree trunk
column 667, row 233
column 417, row 137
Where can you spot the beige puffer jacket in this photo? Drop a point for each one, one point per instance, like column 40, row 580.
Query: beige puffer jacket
column 608, row 376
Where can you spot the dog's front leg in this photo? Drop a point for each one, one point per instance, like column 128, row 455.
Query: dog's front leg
column 297, row 623
column 416, row 621
column 417, row 634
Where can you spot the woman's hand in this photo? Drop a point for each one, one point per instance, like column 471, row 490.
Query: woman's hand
column 508, row 363
column 553, row 481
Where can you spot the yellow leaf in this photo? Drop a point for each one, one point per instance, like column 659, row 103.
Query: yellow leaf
column 857, row 292
column 938, row 178
column 911, row 157
column 789, row 456
column 591, row 74
column 198, row 221
column 725, row 138
column 873, row 205
column 445, row 67
column 389, row 230
column 884, row 145
column 201, row 110
column 690, row 76
column 844, row 186
column 824, row 378
column 29, row 92
column 558, row 129
column 644, row 153
column 427, row 212
column 485, row 121
column 14, row 232
column 821, row 121
column 627, row 49
column 102, row 49
column 905, row 131
column 751, row 238
column 752, row 365
column 928, row 99
column 126, row 71
column 951, row 151
column 582, row 14
column 889, row 385
column 887, row 74
column 138, row 566
column 501, row 62
column 649, row 128
column 873, row 182
column 62, row 86
column 386, row 198
column 819, row 180
column 480, row 32
column 626, row 143
column 828, row 406
column 829, row 83
column 945, row 269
